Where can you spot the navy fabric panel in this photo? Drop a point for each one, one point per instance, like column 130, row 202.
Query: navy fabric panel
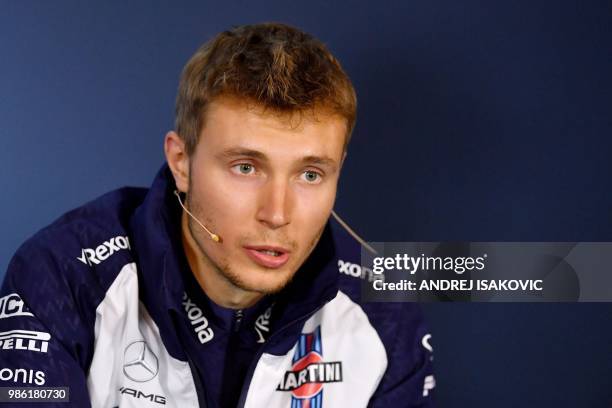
column 37, row 277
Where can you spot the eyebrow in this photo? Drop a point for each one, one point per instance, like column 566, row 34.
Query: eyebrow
column 239, row 151
column 323, row 161
column 255, row 154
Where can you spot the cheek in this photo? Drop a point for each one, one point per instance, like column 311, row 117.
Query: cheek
column 223, row 202
column 312, row 211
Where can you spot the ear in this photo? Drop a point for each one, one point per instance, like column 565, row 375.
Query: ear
column 178, row 160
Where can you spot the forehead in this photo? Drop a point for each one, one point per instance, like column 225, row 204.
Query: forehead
column 231, row 123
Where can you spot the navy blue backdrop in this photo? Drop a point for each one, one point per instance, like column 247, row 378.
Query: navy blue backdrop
column 477, row 121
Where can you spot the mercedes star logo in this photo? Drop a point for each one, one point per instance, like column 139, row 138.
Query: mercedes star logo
column 140, row 364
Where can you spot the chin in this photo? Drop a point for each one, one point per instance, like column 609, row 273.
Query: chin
column 265, row 282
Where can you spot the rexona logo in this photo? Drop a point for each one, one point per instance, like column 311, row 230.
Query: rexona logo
column 196, row 317
column 309, row 372
column 358, row 271
column 25, row 340
column 23, row 376
column 12, row 305
column 159, row 399
column 101, row 253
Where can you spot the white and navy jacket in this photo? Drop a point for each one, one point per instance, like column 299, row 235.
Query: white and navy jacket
column 102, row 301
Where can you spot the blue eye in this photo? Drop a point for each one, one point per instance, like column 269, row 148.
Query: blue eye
column 244, row 168
column 312, row 176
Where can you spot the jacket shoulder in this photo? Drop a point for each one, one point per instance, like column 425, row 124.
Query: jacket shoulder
column 63, row 271
column 84, row 239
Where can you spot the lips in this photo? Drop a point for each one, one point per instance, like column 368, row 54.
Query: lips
column 272, row 257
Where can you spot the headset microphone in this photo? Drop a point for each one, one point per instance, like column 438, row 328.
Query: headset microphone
column 217, row 238
column 213, row 236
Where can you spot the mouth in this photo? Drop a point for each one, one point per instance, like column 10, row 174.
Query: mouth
column 271, row 257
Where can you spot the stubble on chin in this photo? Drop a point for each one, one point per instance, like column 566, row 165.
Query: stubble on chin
column 223, row 267
column 235, row 278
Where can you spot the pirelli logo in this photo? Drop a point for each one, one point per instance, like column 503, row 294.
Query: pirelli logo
column 25, row 340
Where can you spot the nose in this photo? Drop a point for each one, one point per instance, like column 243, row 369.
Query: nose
column 274, row 204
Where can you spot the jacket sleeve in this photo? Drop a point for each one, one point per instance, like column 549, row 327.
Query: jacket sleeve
column 44, row 341
column 408, row 380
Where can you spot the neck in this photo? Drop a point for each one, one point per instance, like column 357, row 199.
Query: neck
column 210, row 278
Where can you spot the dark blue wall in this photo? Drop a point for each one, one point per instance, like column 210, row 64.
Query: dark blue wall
column 477, row 121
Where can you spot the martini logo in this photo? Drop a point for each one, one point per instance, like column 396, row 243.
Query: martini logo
column 309, row 372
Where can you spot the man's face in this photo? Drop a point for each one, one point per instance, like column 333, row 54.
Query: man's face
column 266, row 184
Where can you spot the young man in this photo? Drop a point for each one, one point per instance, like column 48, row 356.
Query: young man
column 226, row 283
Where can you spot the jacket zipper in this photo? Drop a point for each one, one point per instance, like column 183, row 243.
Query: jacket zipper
column 238, row 315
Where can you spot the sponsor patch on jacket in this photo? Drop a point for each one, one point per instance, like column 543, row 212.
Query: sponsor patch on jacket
column 198, row 320
column 139, row 395
column 262, row 325
column 430, row 381
column 103, row 251
column 11, row 305
column 358, row 271
column 309, row 372
column 22, row 376
column 25, row 340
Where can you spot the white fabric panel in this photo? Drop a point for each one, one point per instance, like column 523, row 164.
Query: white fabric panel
column 347, row 336
column 122, row 329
